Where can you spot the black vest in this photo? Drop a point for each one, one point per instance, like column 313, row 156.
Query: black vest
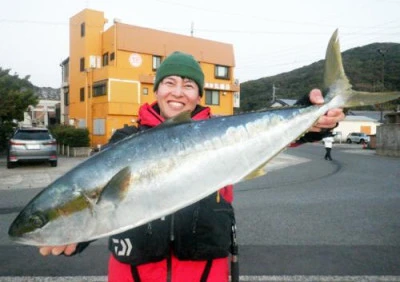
column 201, row 231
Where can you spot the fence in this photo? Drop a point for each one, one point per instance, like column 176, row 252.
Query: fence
column 73, row 151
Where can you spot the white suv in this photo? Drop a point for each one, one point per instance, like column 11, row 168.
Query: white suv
column 357, row 137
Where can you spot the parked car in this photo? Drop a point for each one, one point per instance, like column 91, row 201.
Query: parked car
column 31, row 144
column 357, row 137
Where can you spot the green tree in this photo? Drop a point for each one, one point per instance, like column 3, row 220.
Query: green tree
column 16, row 95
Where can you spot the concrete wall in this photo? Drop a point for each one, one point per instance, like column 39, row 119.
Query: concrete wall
column 388, row 140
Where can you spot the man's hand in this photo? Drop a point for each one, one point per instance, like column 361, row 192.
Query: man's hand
column 57, row 250
column 330, row 119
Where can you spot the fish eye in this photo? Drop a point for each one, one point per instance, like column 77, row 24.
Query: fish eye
column 37, row 220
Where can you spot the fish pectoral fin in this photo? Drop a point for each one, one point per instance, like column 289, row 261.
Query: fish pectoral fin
column 184, row 117
column 117, row 187
column 91, row 198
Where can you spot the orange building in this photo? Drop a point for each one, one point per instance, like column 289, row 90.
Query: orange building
column 110, row 73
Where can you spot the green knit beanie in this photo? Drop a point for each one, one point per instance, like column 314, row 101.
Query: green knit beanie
column 183, row 65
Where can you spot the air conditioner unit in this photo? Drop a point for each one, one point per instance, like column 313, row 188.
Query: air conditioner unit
column 94, row 62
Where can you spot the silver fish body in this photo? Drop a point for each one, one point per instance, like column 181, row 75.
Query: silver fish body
column 157, row 172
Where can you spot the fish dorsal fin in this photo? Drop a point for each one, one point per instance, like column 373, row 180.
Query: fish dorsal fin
column 117, row 187
column 184, row 117
column 334, row 70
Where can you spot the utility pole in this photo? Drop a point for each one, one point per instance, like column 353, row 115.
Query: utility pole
column 274, row 93
column 382, row 53
column 192, row 29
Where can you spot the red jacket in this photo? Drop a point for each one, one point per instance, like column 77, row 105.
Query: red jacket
column 180, row 271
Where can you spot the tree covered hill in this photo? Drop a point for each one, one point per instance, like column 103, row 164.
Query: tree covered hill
column 47, row 93
column 372, row 67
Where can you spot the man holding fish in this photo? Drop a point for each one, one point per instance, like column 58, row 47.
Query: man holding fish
column 157, row 193
column 193, row 243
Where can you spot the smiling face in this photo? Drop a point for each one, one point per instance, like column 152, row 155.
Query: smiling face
column 176, row 94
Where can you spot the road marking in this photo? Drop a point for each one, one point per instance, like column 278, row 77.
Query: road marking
column 359, row 151
column 284, row 160
column 266, row 278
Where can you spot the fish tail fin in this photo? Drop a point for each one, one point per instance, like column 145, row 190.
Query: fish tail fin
column 360, row 98
column 340, row 92
column 334, row 70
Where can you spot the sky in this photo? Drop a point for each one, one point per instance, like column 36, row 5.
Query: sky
column 268, row 37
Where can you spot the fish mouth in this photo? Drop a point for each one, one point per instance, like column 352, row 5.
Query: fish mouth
column 18, row 233
column 16, row 230
column 26, row 223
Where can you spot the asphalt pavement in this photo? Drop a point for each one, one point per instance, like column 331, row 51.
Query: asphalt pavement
column 34, row 175
column 307, row 220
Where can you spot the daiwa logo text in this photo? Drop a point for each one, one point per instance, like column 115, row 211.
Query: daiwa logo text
column 123, row 247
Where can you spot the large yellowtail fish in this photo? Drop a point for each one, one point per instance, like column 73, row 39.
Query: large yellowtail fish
column 154, row 173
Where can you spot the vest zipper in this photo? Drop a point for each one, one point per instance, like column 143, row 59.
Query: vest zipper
column 169, row 259
column 172, row 235
column 195, row 219
column 169, row 268
column 149, row 229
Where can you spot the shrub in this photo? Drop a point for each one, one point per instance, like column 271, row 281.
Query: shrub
column 71, row 136
column 6, row 130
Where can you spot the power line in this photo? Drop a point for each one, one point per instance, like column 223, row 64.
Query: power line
column 32, row 22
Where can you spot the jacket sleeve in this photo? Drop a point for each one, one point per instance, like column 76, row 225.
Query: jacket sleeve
column 227, row 193
column 80, row 247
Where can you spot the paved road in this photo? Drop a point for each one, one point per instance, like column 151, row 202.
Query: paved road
column 307, row 220
column 322, row 217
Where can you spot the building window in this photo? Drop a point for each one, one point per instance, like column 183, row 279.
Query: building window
column 145, row 91
column 81, row 123
column 212, row 97
column 82, row 64
column 99, row 89
column 105, row 59
column 99, row 126
column 112, row 56
column 82, row 29
column 222, row 72
column 156, row 62
column 82, row 94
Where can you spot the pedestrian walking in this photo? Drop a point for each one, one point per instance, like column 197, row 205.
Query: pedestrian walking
column 328, row 143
